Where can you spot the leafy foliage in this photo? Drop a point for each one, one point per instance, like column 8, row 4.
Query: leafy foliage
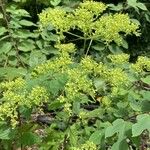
column 66, row 83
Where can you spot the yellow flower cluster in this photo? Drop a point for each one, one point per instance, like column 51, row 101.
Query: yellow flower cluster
column 55, row 17
column 15, row 95
column 78, row 82
column 119, row 58
column 86, row 146
column 95, row 7
column 37, row 97
column 108, row 27
column 86, row 19
column 143, row 63
column 17, row 84
column 117, row 77
column 106, row 101
column 58, row 65
column 66, row 48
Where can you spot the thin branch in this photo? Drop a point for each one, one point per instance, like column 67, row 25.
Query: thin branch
column 89, row 47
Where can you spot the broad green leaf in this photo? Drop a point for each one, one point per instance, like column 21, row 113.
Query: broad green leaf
column 143, row 123
column 11, row 72
column 2, row 30
column 120, row 127
column 36, row 57
column 5, row 47
column 121, row 144
column 96, row 137
column 27, row 45
column 29, row 138
column 141, row 6
column 5, row 134
column 26, row 23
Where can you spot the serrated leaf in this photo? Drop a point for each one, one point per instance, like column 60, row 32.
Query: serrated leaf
column 143, row 123
column 29, row 138
column 26, row 46
column 5, row 47
column 5, row 134
column 36, row 58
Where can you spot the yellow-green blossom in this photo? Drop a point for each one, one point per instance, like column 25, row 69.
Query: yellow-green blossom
column 92, row 6
column 143, row 63
column 117, row 77
column 119, row 58
column 66, row 48
column 17, row 84
column 38, row 96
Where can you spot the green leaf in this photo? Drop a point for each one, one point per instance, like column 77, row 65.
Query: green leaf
column 143, row 123
column 5, row 47
column 1, row 16
column 125, row 44
column 115, row 49
column 99, row 47
column 36, row 57
column 26, row 46
column 55, row 2
column 121, row 144
column 115, row 128
column 2, row 30
column 29, row 138
column 5, row 134
column 96, row 137
column 116, row 8
column 146, row 80
column 99, row 83
column 141, row 6
column 26, row 23
column 132, row 3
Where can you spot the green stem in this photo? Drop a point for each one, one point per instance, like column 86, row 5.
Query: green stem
column 75, row 35
column 89, row 47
